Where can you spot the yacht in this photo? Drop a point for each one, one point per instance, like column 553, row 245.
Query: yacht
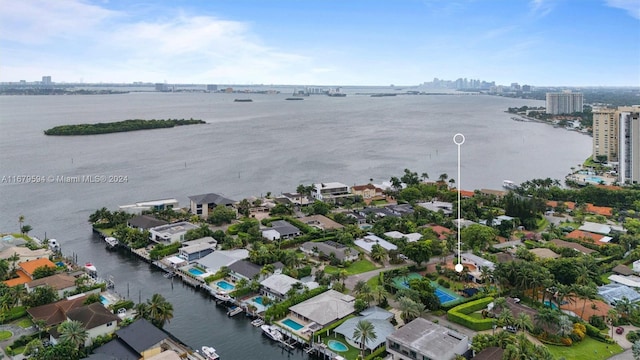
column 210, row 353
column 272, row 332
column 509, row 185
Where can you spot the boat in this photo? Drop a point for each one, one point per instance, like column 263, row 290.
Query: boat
column 509, row 185
column 336, row 94
column 234, row 311
column 221, row 295
column 294, row 98
column 257, row 322
column 272, row 332
column 111, row 242
column 91, row 269
column 242, row 100
column 210, row 353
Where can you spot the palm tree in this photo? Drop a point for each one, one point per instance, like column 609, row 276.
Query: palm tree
column 506, row 317
column 612, row 317
column 523, row 322
column 378, row 253
column 364, row 332
column 409, row 309
column 73, row 332
column 586, row 292
column 499, row 304
column 424, row 176
column 485, row 273
column 159, row 310
column 343, row 275
column 21, row 221
column 380, row 294
column 546, row 317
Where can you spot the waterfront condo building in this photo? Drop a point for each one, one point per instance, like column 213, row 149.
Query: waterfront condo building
column 566, row 102
column 605, row 134
column 629, row 144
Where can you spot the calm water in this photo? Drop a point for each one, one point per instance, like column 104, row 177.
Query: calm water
column 246, row 149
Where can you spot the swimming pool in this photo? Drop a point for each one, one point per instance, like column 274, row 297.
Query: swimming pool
column 338, row 346
column 292, row 324
column 547, row 303
column 196, row 272
column 225, row 285
column 594, row 179
column 257, row 300
column 104, row 300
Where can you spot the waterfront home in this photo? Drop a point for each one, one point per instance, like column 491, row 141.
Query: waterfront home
column 378, row 317
column 197, row 249
column 412, row 237
column 170, row 233
column 324, row 309
column 61, row 283
column 422, row 339
column 400, row 209
column 24, row 253
column 321, row 222
column 340, row 251
column 95, row 319
column 277, row 286
column 203, row 205
column 474, row 263
column 244, row 269
column 55, row 313
column 142, row 340
column 366, row 243
column 217, row 259
column 25, row 271
column 294, row 199
column 368, row 192
column 330, row 191
column 10, row 241
column 280, row 230
column 437, row 206
column 142, row 206
column 144, row 222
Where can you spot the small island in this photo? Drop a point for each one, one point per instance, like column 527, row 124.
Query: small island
column 118, row 126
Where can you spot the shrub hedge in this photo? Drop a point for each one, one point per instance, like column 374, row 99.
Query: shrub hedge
column 460, row 315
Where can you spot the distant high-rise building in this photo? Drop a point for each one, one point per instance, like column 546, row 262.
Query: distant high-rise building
column 46, row 80
column 211, row 87
column 605, row 134
column 526, row 88
column 564, row 103
column 629, row 144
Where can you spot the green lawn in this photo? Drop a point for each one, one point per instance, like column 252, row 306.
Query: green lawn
column 373, row 282
column 350, row 354
column 356, row 267
column 25, row 323
column 5, row 334
column 586, row 349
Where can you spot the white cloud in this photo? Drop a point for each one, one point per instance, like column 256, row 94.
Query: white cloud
column 540, row 8
column 632, row 7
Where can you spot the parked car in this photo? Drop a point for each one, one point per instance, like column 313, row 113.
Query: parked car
column 510, row 328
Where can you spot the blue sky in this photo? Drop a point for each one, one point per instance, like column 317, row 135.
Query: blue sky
column 329, row 42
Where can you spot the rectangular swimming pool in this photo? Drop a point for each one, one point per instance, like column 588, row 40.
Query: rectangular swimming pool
column 257, row 300
column 225, row 285
column 195, row 271
column 292, row 324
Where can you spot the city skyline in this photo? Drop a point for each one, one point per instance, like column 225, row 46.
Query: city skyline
column 539, row 42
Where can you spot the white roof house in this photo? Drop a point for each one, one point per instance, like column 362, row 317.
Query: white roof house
column 445, row 207
column 325, row 308
column 423, row 339
column 278, row 285
column 217, row 259
column 367, row 242
column 595, row 228
column 412, row 237
column 330, row 190
column 170, row 233
column 631, row 280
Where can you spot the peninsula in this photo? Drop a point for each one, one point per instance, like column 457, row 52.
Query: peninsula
column 118, row 126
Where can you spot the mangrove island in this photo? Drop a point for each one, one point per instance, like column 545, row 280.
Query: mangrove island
column 118, row 126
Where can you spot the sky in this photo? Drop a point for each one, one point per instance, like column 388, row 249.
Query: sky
column 328, row 42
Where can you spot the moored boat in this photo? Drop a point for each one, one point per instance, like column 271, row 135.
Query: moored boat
column 272, row 332
column 243, row 100
column 210, row 353
column 111, row 242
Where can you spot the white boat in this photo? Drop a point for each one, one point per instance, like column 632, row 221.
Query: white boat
column 210, row 353
column 111, row 241
column 257, row 322
column 234, row 311
column 509, row 185
column 222, row 295
column 272, row 332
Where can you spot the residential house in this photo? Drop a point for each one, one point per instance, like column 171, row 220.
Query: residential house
column 589, row 237
column 636, row 266
column 436, row 206
column 197, row 249
column 599, row 210
column 145, row 222
column 321, row 222
column 142, row 341
column 203, row 205
column 280, row 230
column 55, row 313
column 595, row 228
column 378, row 317
column 614, row 292
column 61, row 283
column 422, row 339
column 412, row 237
column 400, row 209
column 295, row 199
column 96, row 320
column 623, row 270
column 366, row 243
column 170, row 233
column 544, row 253
column 330, row 191
column 277, row 286
column 26, row 269
column 474, row 263
column 441, row 231
column 142, row 206
column 325, row 308
column 340, row 251
column 23, row 252
column 368, row 192
column 218, row 259
column 571, row 245
column 244, row 269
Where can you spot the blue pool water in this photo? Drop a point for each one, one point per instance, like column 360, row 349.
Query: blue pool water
column 59, row 263
column 443, row 296
column 292, row 324
column 225, row 285
column 593, row 179
column 338, row 346
column 257, row 300
column 196, row 272
column 104, row 300
column 547, row 303
column 7, row 238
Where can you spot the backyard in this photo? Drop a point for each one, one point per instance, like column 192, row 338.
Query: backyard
column 586, row 349
column 356, row 267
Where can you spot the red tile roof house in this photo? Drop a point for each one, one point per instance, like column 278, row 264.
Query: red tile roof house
column 25, row 271
column 585, row 236
column 441, row 231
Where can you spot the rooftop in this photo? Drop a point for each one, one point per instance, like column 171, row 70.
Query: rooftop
column 325, row 308
column 433, row 340
column 211, row 198
column 175, row 228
